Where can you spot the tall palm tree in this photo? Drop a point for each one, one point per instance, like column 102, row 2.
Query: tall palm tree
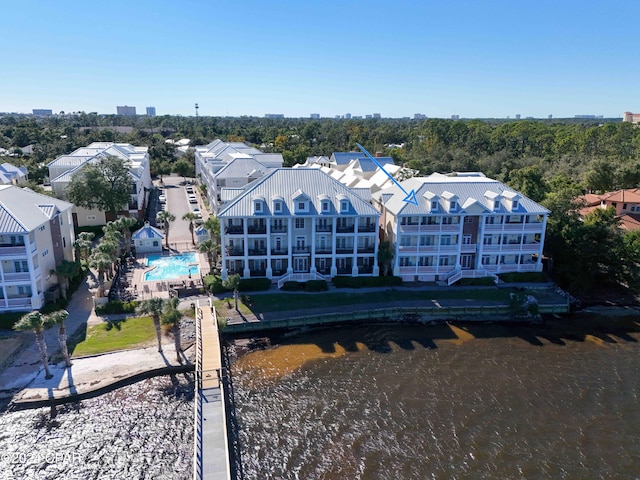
column 83, row 243
column 166, row 217
column 209, row 248
column 101, row 262
column 58, row 318
column 212, row 225
column 172, row 317
column 66, row 271
column 37, row 323
column 123, row 225
column 191, row 218
column 232, row 283
column 154, row 307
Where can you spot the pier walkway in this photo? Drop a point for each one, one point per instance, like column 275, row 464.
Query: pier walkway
column 210, row 455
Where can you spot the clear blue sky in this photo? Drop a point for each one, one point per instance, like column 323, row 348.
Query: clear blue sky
column 491, row 58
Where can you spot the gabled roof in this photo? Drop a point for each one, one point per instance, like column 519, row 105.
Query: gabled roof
column 469, row 190
column 23, row 210
column 291, row 183
column 147, row 231
column 241, row 168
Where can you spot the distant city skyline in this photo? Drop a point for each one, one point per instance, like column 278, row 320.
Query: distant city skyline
column 440, row 59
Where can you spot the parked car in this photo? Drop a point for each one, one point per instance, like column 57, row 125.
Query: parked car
column 189, row 190
column 159, row 222
column 193, row 199
column 162, row 198
column 197, row 212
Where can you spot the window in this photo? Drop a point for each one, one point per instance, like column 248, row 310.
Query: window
column 514, row 205
column 624, row 206
column 445, row 240
column 64, row 242
column 155, row 243
column 487, row 240
column 433, row 220
column 434, row 205
column 468, row 219
column 42, row 227
column 344, row 205
column 496, row 204
column 277, row 206
column 300, row 205
column 325, row 206
column 444, row 261
column 453, row 205
column 448, row 221
column 258, row 207
column 299, row 222
column 45, row 252
column 466, row 239
column 91, row 217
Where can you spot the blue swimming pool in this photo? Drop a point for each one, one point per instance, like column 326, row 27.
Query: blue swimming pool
column 174, row 266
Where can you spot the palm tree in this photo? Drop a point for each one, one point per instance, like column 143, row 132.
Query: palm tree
column 209, row 248
column 212, row 225
column 101, row 262
column 37, row 323
column 190, row 217
column 154, row 307
column 83, row 245
column 123, row 225
column 172, row 317
column 58, row 318
column 166, row 217
column 232, row 283
column 66, row 271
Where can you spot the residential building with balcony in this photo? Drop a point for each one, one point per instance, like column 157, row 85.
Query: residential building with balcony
column 63, row 168
column 625, row 202
column 298, row 224
column 211, row 159
column 36, row 234
column 464, row 225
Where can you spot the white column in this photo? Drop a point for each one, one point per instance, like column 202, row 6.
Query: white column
column 542, row 236
column 334, row 268
column 312, row 267
column 269, row 269
column 376, row 244
column 246, row 273
column 223, row 273
column 290, row 223
column 354, row 255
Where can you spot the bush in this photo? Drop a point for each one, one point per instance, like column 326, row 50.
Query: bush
column 524, row 277
column 359, row 282
column 291, row 286
column 213, row 284
column 9, row 319
column 95, row 229
column 316, row 286
column 476, row 282
column 116, row 306
column 254, row 284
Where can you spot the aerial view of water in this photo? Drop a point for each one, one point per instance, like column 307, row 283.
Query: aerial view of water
column 440, row 402
column 143, row 431
column 371, row 402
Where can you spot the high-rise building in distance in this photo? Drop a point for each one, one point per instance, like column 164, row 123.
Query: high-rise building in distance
column 126, row 110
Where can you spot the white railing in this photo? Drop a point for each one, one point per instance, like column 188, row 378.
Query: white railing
column 302, row 277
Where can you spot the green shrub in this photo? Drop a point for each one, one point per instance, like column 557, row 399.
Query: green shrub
column 116, row 306
column 254, row 284
column 291, row 286
column 359, row 282
column 524, row 277
column 9, row 319
column 213, row 284
column 476, row 282
column 95, row 229
column 316, row 286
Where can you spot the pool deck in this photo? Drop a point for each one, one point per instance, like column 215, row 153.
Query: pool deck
column 143, row 289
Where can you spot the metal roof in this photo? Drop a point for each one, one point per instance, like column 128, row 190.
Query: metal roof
column 289, row 184
column 147, row 232
column 23, row 210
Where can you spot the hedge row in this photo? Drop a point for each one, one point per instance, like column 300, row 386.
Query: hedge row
column 515, row 277
column 359, row 282
column 309, row 286
column 476, row 282
column 213, row 283
column 117, row 306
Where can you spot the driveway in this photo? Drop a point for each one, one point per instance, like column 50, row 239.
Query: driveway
column 178, row 204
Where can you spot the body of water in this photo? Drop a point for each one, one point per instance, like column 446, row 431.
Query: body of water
column 143, row 431
column 442, row 402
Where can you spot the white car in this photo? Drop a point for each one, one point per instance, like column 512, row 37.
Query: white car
column 162, row 198
column 193, row 199
column 197, row 212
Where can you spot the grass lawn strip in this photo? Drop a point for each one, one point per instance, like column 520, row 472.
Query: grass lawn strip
column 294, row 301
column 112, row 336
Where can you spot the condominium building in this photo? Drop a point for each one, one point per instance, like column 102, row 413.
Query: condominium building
column 463, row 225
column 249, row 164
column 36, row 235
column 63, row 168
column 298, row 224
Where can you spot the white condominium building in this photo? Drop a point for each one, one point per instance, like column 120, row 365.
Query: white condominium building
column 464, row 225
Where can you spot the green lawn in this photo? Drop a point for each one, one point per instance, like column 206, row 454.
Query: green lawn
column 108, row 337
column 297, row 301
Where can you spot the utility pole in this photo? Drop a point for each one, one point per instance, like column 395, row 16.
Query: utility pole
column 197, row 107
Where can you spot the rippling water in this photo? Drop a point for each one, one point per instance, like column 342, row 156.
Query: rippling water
column 143, row 431
column 442, row 402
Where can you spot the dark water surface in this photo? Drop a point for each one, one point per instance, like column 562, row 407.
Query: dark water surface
column 143, row 431
column 443, row 402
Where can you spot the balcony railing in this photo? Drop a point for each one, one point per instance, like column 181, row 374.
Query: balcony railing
column 323, row 228
column 366, row 228
column 279, row 251
column 344, row 270
column 344, row 229
column 234, row 229
column 258, row 273
column 365, row 269
column 16, row 276
column 324, row 249
column 235, row 252
column 257, row 229
column 277, row 273
column 300, row 249
column 366, row 249
column 347, row 249
column 278, row 229
column 258, row 251
column 13, row 250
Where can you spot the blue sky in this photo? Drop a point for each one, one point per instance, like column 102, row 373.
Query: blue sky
column 473, row 58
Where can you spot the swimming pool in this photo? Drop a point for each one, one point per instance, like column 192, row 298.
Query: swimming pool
column 174, row 266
